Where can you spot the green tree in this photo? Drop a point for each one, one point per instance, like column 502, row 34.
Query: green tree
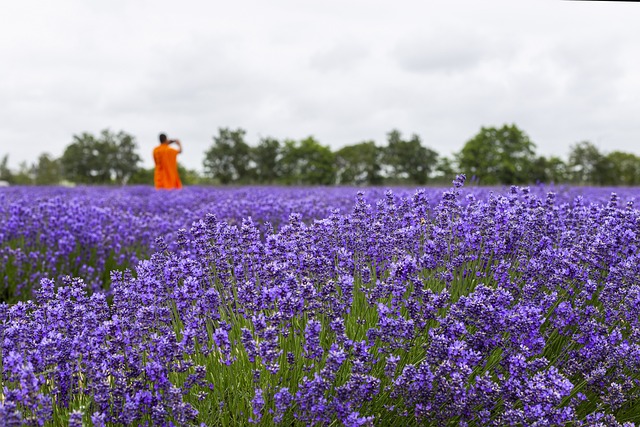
column 445, row 171
column 25, row 175
column 587, row 165
column 557, row 170
column 123, row 158
column 265, row 157
column 84, row 160
column 498, row 155
column 188, row 176
column 142, row 176
column 228, row 159
column 359, row 164
column 307, row 162
column 5, row 172
column 103, row 159
column 408, row 160
column 549, row 169
column 48, row 170
column 623, row 168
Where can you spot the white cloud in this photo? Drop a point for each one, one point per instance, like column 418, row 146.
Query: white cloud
column 343, row 56
column 448, row 50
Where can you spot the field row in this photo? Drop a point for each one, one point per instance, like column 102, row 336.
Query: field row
column 460, row 306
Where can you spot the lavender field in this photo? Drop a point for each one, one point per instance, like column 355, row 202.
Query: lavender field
column 320, row 306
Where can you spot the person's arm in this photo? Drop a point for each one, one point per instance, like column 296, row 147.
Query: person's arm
column 177, row 142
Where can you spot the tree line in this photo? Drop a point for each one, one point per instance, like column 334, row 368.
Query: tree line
column 495, row 155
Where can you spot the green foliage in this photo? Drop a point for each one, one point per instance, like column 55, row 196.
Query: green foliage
column 124, row 159
column 105, row 159
column 503, row 155
column 359, row 164
column 5, row 172
column 84, row 162
column 445, row 171
column 227, row 160
column 586, row 164
column 307, row 162
column 265, row 158
column 142, row 176
column 189, row 176
column 622, row 168
column 48, row 170
column 549, row 169
column 25, row 174
column 556, row 170
column 409, row 160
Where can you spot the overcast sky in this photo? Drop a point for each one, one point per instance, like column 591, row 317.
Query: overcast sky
column 343, row 71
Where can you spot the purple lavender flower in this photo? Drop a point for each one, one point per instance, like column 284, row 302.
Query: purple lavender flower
column 75, row 419
column 390, row 367
column 282, row 399
column 514, row 308
column 312, row 348
column 257, row 404
column 249, row 344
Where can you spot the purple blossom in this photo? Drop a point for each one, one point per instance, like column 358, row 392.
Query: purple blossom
column 282, row 399
column 257, row 404
column 75, row 419
column 312, row 348
column 485, row 306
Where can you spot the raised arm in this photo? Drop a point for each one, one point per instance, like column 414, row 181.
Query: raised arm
column 177, row 142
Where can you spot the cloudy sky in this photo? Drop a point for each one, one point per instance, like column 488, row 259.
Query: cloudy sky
column 343, row 71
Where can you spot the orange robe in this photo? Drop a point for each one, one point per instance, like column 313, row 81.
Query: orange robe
column 166, row 172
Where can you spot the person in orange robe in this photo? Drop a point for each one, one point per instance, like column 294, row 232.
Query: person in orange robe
column 165, row 157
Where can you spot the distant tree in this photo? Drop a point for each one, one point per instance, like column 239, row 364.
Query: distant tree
column 307, row 162
column 48, row 170
column 25, row 175
column 359, row 164
column 103, row 159
column 623, row 168
column 84, row 160
column 498, row 155
column 189, row 176
column 539, row 170
column 288, row 167
column 142, row 176
column 408, row 160
column 548, row 169
column 557, row 170
column 5, row 172
column 124, row 158
column 228, row 159
column 265, row 157
column 445, row 171
column 587, row 165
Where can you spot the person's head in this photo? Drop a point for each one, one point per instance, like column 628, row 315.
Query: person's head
column 163, row 138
